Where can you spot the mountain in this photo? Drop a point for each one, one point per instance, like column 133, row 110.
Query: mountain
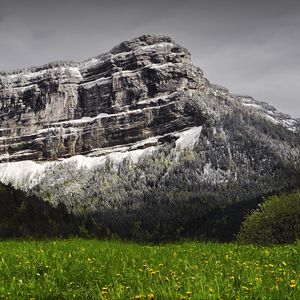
column 139, row 138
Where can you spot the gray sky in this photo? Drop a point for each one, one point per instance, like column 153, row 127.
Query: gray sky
column 251, row 47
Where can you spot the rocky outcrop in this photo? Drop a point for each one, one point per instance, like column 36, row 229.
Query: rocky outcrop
column 139, row 89
column 270, row 113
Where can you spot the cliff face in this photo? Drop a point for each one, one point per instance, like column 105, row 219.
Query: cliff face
column 138, row 122
column 140, row 89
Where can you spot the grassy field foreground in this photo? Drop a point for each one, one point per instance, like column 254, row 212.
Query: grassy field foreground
column 90, row 269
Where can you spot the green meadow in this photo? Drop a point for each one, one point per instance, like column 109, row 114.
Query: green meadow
column 92, row 269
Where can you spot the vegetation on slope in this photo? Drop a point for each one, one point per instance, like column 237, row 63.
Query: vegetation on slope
column 23, row 216
column 277, row 220
column 202, row 193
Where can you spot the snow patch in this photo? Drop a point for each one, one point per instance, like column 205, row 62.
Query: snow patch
column 22, row 174
column 26, row 174
column 156, row 99
column 270, row 118
column 4, row 156
column 74, row 72
column 253, row 105
column 157, row 45
column 84, row 119
column 188, row 138
column 207, row 169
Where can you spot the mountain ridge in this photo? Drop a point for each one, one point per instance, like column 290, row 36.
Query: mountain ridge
column 139, row 134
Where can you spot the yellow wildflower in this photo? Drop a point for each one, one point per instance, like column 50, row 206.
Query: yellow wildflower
column 293, row 283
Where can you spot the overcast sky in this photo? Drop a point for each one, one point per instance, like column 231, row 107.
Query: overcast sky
column 251, row 47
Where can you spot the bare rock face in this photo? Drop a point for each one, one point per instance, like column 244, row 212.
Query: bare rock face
column 139, row 89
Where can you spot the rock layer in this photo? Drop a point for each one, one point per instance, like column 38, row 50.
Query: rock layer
column 139, row 89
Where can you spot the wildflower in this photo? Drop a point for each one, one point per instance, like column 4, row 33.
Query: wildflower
column 189, row 293
column 279, row 280
column 293, row 283
column 173, row 273
column 150, row 296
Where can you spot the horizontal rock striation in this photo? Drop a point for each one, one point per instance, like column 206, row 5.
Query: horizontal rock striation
column 139, row 89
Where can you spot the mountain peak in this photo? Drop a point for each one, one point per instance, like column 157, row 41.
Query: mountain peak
column 146, row 113
column 146, row 81
column 143, row 40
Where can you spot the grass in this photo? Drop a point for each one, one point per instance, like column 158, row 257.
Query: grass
column 90, row 269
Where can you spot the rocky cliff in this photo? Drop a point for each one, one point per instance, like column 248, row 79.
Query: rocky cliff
column 140, row 122
column 138, row 90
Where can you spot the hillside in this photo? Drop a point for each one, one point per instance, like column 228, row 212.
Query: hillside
column 139, row 139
